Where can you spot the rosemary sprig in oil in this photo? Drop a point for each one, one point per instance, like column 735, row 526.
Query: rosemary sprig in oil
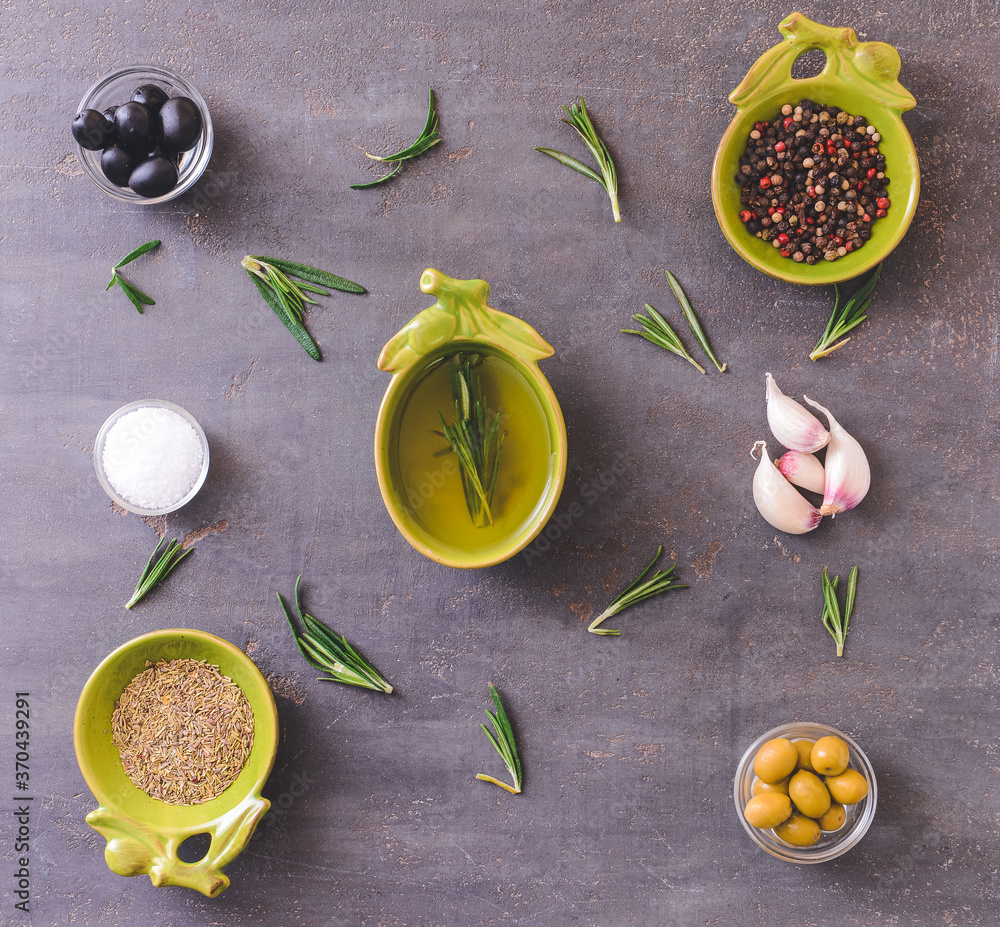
column 504, row 743
column 845, row 318
column 428, row 138
column 273, row 278
column 136, row 296
column 158, row 570
column 639, row 591
column 835, row 621
column 474, row 437
column 580, row 120
column 331, row 653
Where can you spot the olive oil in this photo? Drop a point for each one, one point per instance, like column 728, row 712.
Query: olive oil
column 429, row 473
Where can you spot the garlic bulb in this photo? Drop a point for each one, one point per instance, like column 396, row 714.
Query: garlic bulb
column 803, row 470
column 781, row 504
column 848, row 475
column 794, row 427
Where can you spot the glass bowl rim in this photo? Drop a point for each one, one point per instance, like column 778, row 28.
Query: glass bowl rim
column 102, row 435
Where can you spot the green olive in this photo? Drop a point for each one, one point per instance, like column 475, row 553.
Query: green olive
column 834, row 818
column 809, row 794
column 830, row 756
column 775, row 760
column 799, row 831
column 805, row 753
column 848, row 788
column 767, row 810
column 760, row 786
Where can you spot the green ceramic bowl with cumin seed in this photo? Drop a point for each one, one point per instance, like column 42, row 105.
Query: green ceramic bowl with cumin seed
column 144, row 833
column 859, row 77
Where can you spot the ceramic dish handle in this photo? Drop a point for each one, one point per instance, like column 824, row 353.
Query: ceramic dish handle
column 872, row 65
column 461, row 313
column 134, row 848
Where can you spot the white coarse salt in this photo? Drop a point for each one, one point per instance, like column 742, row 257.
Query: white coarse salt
column 152, row 457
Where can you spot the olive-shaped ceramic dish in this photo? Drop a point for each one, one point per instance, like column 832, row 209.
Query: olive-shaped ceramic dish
column 419, row 475
column 144, row 833
column 859, row 77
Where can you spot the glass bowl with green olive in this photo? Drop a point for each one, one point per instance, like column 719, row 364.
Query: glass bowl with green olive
column 805, row 792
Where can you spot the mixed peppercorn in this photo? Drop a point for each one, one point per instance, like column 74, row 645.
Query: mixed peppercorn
column 813, row 182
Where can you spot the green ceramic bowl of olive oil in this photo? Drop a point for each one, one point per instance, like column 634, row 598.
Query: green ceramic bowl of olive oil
column 470, row 442
column 859, row 77
column 144, row 833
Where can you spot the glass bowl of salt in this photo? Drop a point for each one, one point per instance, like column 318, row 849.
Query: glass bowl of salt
column 151, row 457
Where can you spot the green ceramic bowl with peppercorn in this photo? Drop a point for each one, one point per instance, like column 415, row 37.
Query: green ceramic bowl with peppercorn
column 859, row 78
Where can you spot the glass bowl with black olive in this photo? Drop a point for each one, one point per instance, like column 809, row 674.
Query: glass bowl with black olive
column 143, row 134
column 770, row 772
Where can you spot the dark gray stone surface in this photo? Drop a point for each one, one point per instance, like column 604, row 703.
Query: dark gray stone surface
column 629, row 745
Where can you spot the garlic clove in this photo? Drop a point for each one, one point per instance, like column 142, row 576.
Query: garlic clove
column 803, row 470
column 781, row 504
column 794, row 426
column 848, row 475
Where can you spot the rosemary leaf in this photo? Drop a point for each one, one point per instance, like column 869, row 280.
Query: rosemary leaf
column 380, row 180
column 134, row 294
column 158, row 568
column 835, row 621
column 658, row 331
column 138, row 252
column 287, row 297
column 428, row 138
column 272, row 298
column 131, row 296
column 847, row 318
column 580, row 120
column 639, row 590
column 132, row 290
column 329, row 652
column 313, row 275
column 692, row 321
column 504, row 743
column 572, row 163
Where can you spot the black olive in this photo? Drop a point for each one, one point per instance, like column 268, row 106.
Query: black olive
column 154, row 177
column 150, row 96
column 180, row 123
column 92, row 130
column 135, row 128
column 109, row 113
column 118, row 164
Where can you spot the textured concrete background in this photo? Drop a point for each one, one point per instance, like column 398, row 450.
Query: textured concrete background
column 629, row 745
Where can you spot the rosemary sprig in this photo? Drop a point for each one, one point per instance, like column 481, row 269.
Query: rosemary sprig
column 834, row 621
column 475, row 438
column 656, row 330
column 428, row 138
column 136, row 296
column 504, row 743
column 331, row 653
column 639, row 591
column 158, row 570
column 288, row 297
column 579, row 119
column 692, row 321
column 846, row 318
